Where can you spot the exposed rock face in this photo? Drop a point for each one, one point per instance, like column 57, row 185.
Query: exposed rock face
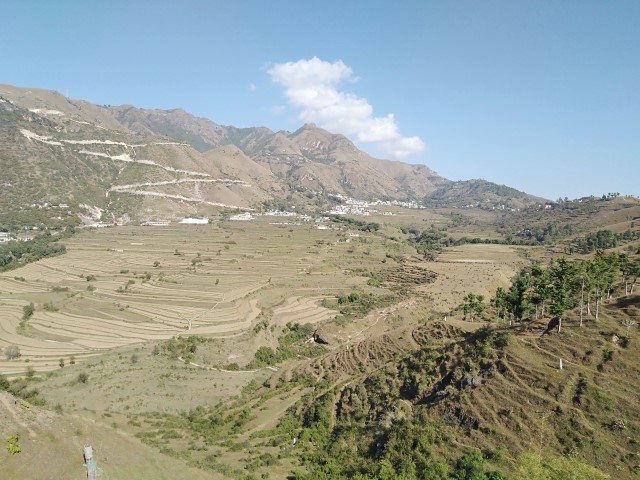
column 471, row 381
column 320, row 337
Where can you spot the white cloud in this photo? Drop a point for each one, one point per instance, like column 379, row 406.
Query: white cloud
column 312, row 86
column 252, row 87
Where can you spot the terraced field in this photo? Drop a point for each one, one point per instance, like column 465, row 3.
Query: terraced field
column 129, row 285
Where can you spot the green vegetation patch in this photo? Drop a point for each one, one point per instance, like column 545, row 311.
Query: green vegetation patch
column 291, row 344
column 16, row 254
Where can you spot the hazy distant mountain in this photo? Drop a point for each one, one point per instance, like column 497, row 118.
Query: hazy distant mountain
column 145, row 164
column 479, row 193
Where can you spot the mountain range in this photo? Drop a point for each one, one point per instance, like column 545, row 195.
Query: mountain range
column 122, row 163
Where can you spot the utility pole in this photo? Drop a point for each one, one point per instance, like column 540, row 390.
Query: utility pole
column 89, row 462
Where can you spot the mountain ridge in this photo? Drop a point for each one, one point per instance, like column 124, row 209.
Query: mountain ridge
column 139, row 143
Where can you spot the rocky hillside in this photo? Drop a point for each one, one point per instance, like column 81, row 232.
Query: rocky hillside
column 310, row 158
column 149, row 164
column 51, row 159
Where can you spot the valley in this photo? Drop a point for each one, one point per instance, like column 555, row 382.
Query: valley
column 204, row 301
column 166, row 320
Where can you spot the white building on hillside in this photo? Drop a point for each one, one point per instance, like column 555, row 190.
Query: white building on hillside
column 156, row 223
column 194, row 221
column 242, row 217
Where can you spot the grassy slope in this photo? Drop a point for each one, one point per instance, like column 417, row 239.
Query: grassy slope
column 587, row 411
column 52, row 443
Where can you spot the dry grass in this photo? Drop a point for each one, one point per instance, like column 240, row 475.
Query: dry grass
column 472, row 268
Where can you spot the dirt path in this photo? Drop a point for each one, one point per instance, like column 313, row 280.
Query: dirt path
column 10, row 405
column 203, row 367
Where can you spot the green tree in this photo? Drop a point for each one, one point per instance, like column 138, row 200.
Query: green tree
column 473, row 305
column 603, row 270
column 500, row 302
column 586, row 285
column 629, row 270
column 634, row 273
column 540, row 291
column 563, row 281
column 517, row 301
column 266, row 355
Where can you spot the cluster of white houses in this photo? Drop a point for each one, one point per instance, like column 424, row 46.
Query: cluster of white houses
column 193, row 220
column 349, row 210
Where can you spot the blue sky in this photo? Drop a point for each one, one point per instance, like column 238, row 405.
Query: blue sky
column 543, row 96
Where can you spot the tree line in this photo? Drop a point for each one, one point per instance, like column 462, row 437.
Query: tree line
column 15, row 254
column 565, row 285
column 357, row 224
column 431, row 241
column 602, row 239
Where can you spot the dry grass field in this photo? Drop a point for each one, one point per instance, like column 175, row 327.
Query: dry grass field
column 476, row 268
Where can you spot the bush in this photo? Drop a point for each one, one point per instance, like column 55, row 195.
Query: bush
column 83, row 377
column 12, row 352
column 50, row 307
column 12, row 445
column 27, row 311
column 266, row 355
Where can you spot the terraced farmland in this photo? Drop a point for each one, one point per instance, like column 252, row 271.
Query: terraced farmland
column 129, row 285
